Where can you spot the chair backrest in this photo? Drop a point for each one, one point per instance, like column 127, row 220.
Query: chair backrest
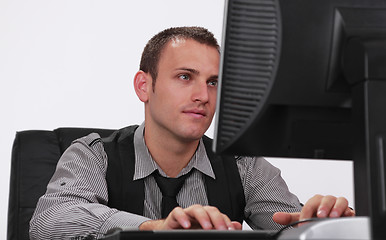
column 35, row 154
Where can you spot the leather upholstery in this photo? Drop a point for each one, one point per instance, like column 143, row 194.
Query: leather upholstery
column 34, row 157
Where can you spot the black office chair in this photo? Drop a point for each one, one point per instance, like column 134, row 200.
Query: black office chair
column 34, row 157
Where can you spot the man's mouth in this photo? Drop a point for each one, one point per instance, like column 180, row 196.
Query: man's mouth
column 197, row 113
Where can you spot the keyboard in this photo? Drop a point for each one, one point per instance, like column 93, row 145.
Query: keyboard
column 191, row 235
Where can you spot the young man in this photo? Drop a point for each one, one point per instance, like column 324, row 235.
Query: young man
column 101, row 184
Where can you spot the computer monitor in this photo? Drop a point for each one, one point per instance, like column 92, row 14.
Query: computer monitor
column 307, row 79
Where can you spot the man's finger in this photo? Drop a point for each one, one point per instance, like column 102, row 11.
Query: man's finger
column 220, row 221
column 200, row 215
column 177, row 218
column 349, row 212
column 236, row 225
column 326, row 205
column 311, row 207
column 197, row 216
column 285, row 218
column 339, row 208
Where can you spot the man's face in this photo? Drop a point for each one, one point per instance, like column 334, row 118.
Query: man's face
column 182, row 103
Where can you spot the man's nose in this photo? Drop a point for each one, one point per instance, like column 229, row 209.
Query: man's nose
column 200, row 92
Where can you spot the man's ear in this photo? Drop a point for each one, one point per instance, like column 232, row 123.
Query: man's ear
column 142, row 85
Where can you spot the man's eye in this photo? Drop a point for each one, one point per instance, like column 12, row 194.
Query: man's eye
column 184, row 77
column 213, row 83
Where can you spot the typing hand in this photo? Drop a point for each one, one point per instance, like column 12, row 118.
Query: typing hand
column 193, row 217
column 318, row 206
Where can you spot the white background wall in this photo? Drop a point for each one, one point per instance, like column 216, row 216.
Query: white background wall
column 71, row 63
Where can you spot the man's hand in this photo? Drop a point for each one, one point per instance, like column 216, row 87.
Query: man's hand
column 318, row 206
column 193, row 217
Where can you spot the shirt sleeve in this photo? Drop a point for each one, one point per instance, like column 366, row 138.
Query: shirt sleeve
column 265, row 193
column 74, row 204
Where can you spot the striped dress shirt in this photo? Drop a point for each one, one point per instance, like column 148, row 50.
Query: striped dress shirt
column 74, row 204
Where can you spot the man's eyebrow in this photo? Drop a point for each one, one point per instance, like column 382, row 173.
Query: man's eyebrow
column 191, row 70
column 194, row 71
column 213, row 77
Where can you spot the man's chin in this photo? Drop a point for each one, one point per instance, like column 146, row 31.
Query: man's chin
column 193, row 132
column 193, row 136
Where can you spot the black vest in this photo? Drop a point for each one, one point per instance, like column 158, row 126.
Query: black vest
column 225, row 192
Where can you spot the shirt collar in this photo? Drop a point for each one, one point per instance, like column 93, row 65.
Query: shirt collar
column 145, row 165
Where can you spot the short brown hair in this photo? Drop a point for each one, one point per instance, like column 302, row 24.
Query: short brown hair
column 152, row 51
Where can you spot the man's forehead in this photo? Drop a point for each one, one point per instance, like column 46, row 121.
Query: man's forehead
column 181, row 43
column 183, row 52
column 175, row 42
column 177, row 46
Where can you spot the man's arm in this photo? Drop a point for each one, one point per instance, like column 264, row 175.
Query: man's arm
column 76, row 197
column 265, row 193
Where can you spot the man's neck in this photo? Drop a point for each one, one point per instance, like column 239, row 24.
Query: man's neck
column 170, row 153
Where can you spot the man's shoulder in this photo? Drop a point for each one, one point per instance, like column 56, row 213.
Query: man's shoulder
column 120, row 134
column 89, row 139
column 95, row 138
column 251, row 162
